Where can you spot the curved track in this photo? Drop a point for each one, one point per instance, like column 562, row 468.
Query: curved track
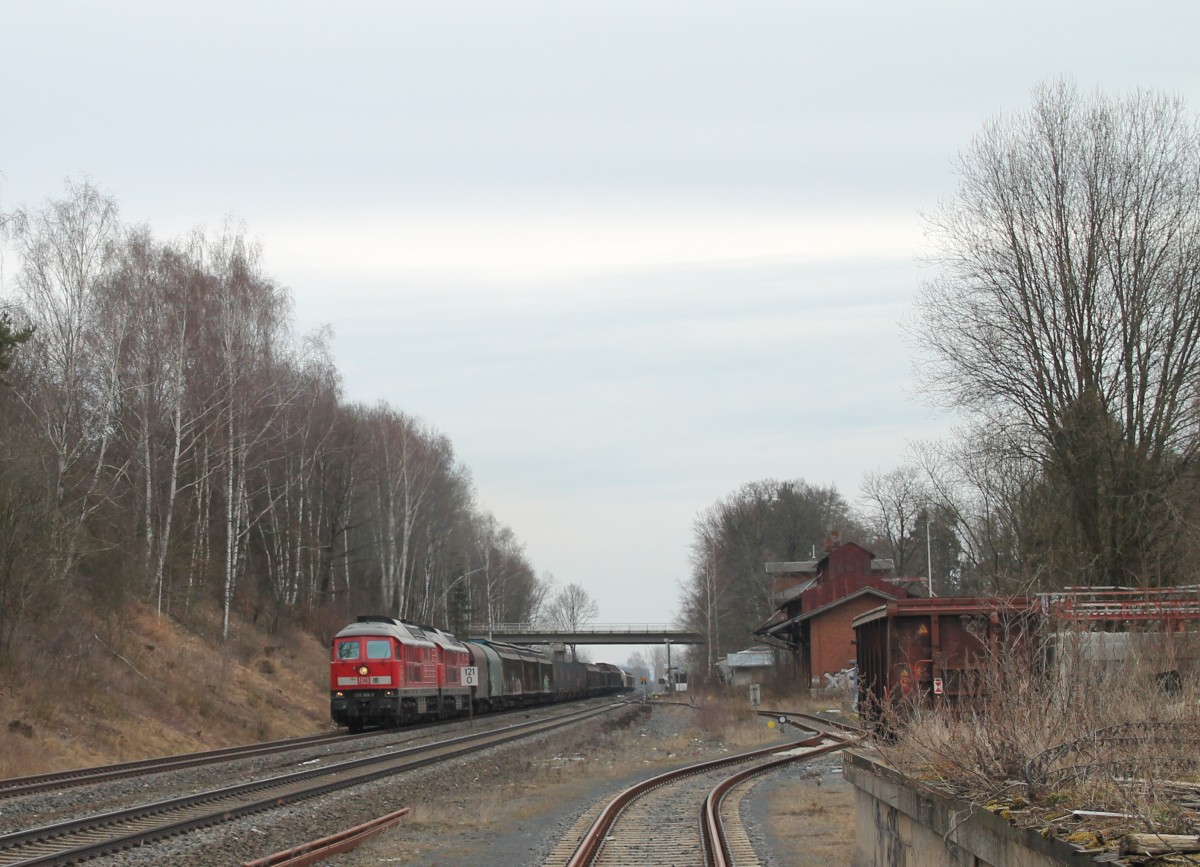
column 725, row 840
column 811, row 722
column 654, row 823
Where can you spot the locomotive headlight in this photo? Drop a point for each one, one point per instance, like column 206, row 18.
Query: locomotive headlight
column 362, row 669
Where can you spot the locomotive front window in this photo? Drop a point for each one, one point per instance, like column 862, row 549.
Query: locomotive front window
column 380, row 648
column 347, row 650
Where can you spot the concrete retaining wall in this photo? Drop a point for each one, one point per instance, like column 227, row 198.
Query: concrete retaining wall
column 901, row 823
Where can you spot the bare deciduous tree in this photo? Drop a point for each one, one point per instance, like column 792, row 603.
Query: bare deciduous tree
column 898, row 507
column 571, row 607
column 729, row 592
column 1068, row 309
column 67, row 249
column 162, row 424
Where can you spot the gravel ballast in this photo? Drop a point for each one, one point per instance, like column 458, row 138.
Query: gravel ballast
column 504, row 807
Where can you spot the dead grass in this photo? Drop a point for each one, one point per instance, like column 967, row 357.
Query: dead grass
column 731, row 719
column 1048, row 734
column 814, row 824
column 148, row 686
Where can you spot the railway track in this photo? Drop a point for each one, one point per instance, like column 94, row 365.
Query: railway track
column 80, row 839
column 316, row 851
column 812, row 722
column 14, row 787
column 18, row 786
column 678, row 818
column 725, row 841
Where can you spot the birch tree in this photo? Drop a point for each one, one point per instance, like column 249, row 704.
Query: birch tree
column 67, row 249
column 250, row 341
column 407, row 459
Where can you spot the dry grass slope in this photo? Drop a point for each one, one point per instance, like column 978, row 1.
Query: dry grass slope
column 148, row 686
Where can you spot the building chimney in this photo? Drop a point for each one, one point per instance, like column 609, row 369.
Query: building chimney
column 833, row 541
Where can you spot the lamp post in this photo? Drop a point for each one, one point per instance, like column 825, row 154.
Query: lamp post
column 445, row 593
column 928, row 554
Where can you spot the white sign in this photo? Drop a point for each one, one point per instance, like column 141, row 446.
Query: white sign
column 384, row 680
column 937, row 686
column 470, row 675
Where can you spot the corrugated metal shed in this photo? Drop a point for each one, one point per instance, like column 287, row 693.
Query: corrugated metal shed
column 756, row 658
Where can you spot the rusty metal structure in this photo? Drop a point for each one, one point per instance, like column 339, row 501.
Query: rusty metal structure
column 1169, row 609
column 935, row 650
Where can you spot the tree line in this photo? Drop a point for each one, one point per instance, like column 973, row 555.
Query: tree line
column 1063, row 326
column 166, row 437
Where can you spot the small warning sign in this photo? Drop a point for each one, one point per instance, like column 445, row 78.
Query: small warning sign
column 937, row 686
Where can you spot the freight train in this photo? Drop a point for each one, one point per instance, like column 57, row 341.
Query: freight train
column 389, row 672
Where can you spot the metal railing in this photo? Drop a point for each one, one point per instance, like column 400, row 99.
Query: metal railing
column 606, row 628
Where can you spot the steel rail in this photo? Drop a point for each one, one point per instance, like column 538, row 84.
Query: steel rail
column 713, row 830
column 787, row 717
column 17, row 786
column 335, row 844
column 14, row 787
column 593, row 841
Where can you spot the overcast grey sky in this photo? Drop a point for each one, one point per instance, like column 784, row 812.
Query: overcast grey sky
column 626, row 255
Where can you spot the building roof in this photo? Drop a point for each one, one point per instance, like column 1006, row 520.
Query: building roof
column 768, row 628
column 780, row 597
column 875, row 591
column 756, row 657
column 794, row 566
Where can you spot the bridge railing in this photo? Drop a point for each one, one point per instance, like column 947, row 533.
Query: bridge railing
column 606, row 628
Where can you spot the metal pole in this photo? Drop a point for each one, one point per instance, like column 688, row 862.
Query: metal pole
column 929, row 555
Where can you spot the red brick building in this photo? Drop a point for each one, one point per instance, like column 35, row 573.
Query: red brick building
column 818, row 599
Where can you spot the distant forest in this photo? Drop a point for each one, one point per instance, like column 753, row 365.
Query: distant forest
column 166, row 437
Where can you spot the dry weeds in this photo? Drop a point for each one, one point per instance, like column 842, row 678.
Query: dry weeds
column 814, row 823
column 1053, row 733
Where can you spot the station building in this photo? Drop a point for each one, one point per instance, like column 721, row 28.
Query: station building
column 816, row 603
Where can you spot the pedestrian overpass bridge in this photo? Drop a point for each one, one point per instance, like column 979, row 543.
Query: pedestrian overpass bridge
column 590, row 633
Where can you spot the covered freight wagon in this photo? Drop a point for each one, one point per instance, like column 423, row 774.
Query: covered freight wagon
column 934, row 650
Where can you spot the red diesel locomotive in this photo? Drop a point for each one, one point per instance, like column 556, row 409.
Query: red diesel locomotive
column 389, row 672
